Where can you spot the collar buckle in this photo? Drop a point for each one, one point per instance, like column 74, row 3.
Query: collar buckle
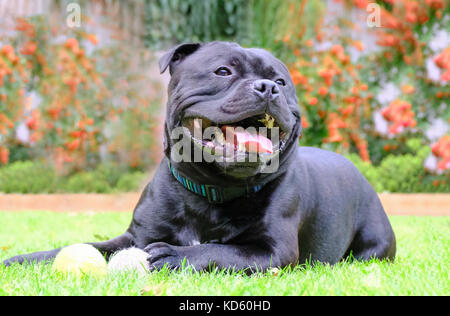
column 214, row 194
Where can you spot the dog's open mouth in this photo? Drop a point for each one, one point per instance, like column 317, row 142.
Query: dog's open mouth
column 258, row 134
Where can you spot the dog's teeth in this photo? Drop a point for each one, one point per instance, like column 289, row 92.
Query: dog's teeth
column 220, row 138
column 197, row 126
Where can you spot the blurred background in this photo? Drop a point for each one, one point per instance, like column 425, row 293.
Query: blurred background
column 82, row 102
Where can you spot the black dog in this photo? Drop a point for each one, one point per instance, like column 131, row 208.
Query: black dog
column 313, row 205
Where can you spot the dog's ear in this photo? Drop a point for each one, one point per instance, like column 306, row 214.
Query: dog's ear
column 176, row 55
column 166, row 141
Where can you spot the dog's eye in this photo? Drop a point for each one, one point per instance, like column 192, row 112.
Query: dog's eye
column 281, row 82
column 176, row 57
column 223, row 72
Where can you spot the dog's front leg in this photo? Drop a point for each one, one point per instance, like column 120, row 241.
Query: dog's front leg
column 205, row 256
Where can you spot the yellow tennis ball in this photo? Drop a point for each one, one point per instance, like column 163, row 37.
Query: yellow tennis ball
column 80, row 259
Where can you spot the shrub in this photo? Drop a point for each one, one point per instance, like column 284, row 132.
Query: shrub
column 130, row 182
column 402, row 173
column 109, row 173
column 87, row 182
column 368, row 170
column 35, row 177
column 27, row 177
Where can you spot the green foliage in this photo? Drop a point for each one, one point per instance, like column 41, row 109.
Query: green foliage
column 85, row 182
column 402, row 173
column 368, row 170
column 19, row 152
column 108, row 173
column 27, row 177
column 256, row 23
column 176, row 21
column 130, row 182
column 35, row 177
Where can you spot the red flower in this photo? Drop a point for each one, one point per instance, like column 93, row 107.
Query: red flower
column 359, row 46
column 305, row 123
column 442, row 150
column 29, row 48
column 400, row 114
column 73, row 145
column 443, row 62
column 435, row 4
column 298, row 78
column 4, row 155
column 92, row 38
column 313, row 101
column 387, row 40
column 7, row 49
column 76, row 134
column 33, row 122
column 323, row 91
column 327, row 76
column 72, row 44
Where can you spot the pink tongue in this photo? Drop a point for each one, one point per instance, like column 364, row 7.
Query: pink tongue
column 253, row 143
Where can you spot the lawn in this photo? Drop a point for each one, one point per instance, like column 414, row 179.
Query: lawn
column 422, row 266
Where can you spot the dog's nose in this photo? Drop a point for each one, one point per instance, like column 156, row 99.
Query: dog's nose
column 266, row 89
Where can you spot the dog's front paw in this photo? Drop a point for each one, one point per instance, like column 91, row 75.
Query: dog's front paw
column 161, row 254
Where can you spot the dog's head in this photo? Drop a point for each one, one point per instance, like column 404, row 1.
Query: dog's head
column 234, row 102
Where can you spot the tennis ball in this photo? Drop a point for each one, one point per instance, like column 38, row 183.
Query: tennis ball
column 131, row 259
column 80, row 259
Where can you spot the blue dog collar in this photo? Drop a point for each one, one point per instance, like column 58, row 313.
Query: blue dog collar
column 213, row 193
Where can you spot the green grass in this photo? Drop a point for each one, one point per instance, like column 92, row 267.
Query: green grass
column 421, row 268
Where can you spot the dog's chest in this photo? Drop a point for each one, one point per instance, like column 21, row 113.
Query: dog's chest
column 211, row 227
